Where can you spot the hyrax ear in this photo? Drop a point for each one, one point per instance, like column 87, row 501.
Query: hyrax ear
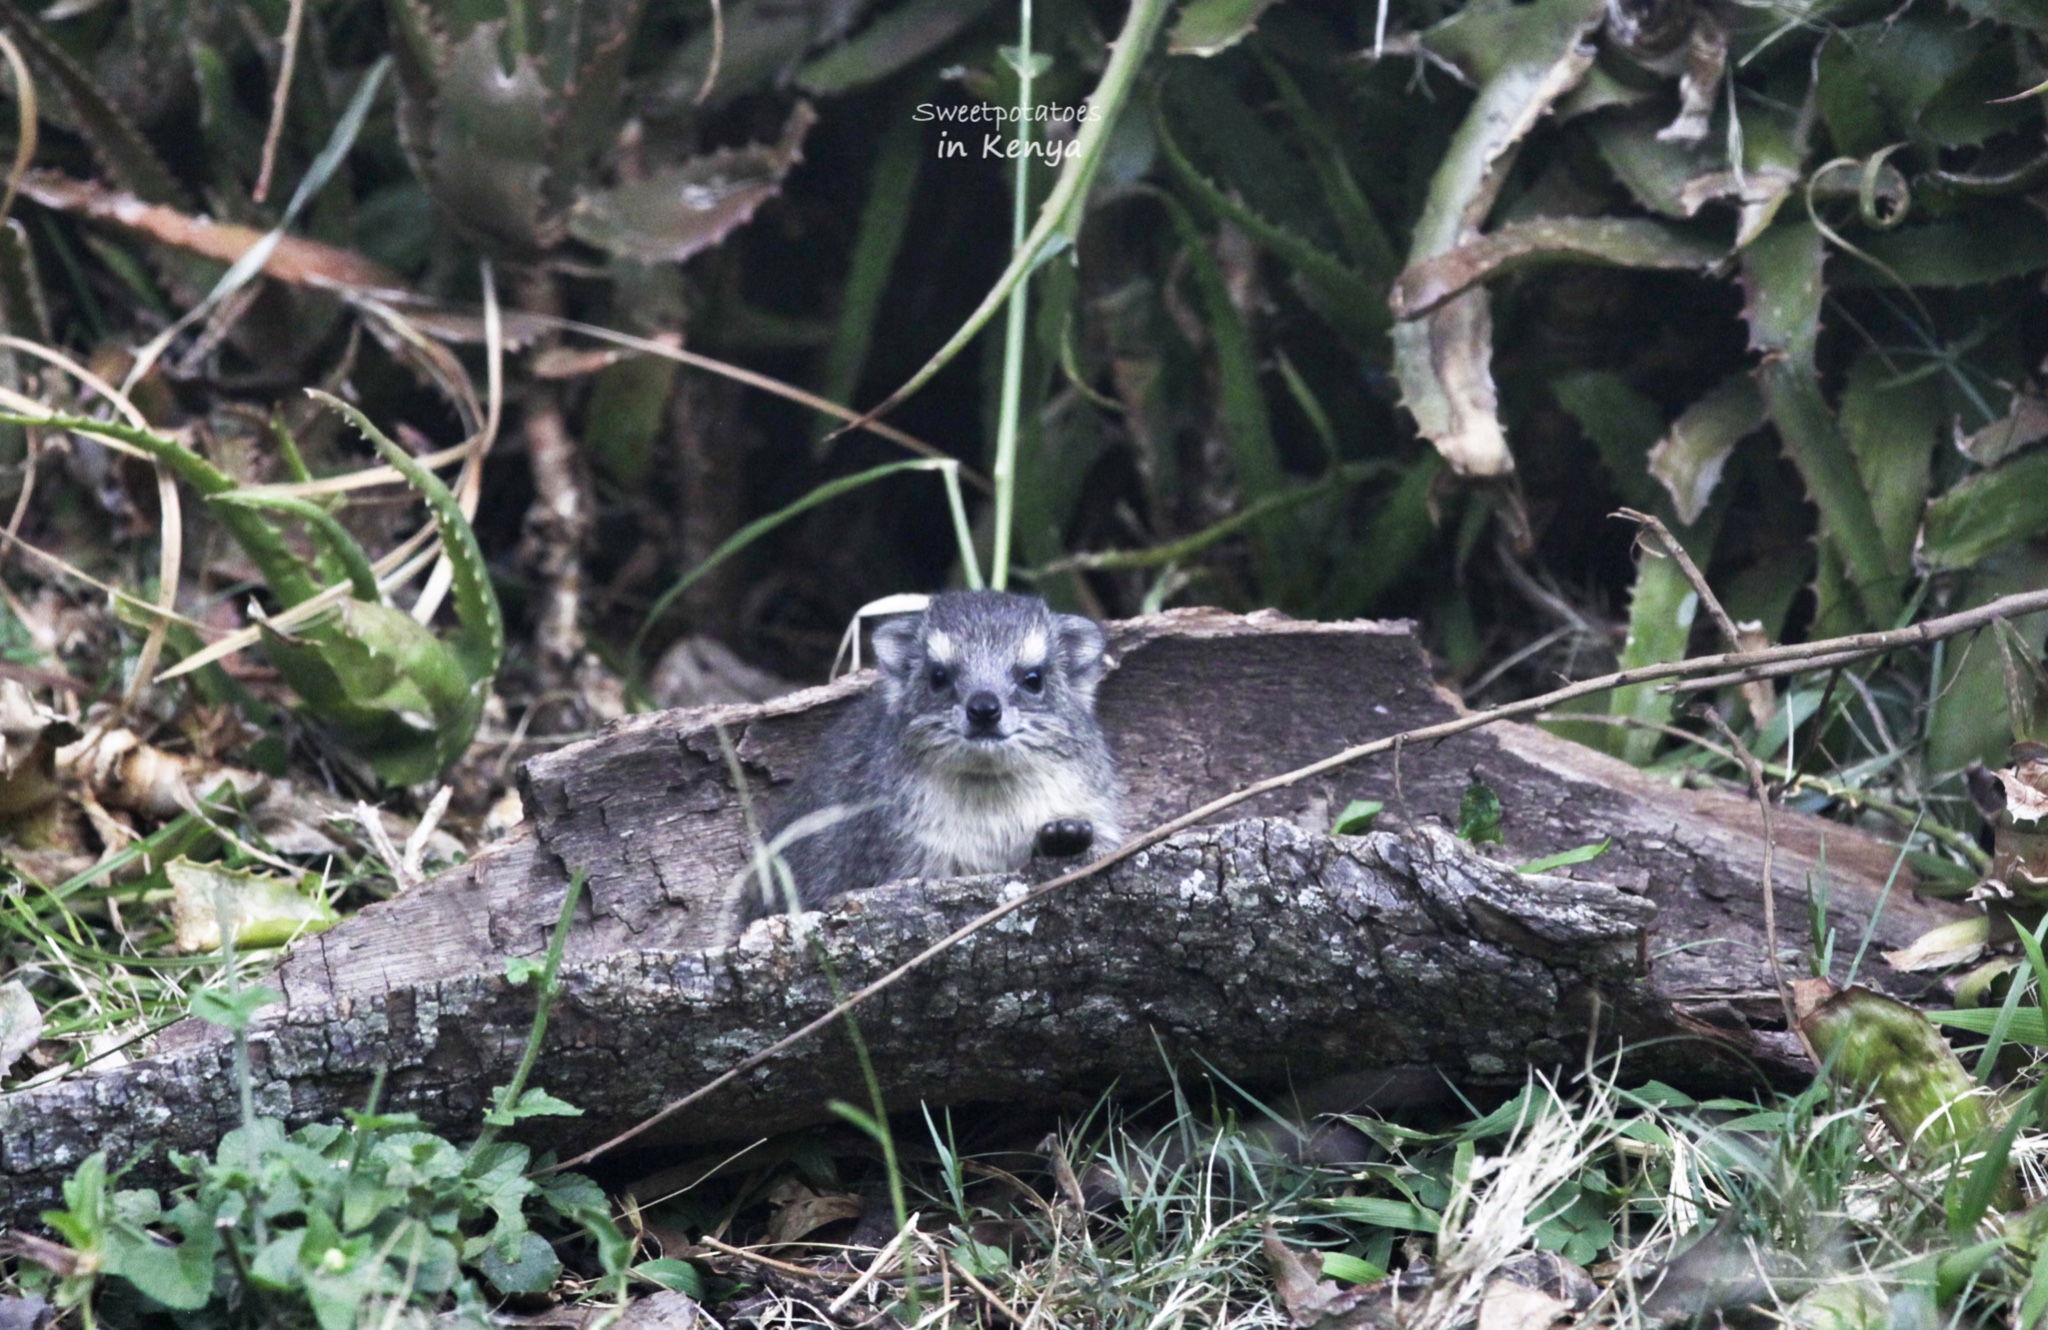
column 896, row 644
column 1082, row 647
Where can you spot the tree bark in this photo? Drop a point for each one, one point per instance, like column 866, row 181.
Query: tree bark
column 1265, row 948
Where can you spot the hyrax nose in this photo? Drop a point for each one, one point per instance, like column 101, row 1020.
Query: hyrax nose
column 984, row 710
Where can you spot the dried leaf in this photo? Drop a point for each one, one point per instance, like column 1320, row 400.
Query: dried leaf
column 2025, row 422
column 2026, row 791
column 806, row 1211
column 1507, row 1305
column 1444, row 359
column 296, row 261
column 1315, row 1303
column 1955, row 943
column 21, row 1023
column 680, row 211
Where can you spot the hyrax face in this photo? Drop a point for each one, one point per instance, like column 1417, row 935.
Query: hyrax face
column 986, row 681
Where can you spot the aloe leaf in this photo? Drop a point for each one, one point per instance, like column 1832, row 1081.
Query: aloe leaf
column 891, row 43
column 484, row 159
column 1784, row 288
column 1689, row 459
column 281, row 567
column 1893, row 429
column 1985, row 512
column 1611, row 241
column 481, row 642
column 1624, row 425
column 114, row 138
column 1400, row 530
column 681, row 210
column 1364, row 237
column 1350, row 304
column 1444, row 359
column 878, row 239
column 333, row 536
column 1061, row 209
column 627, row 412
column 1991, row 242
column 1210, row 27
column 1246, row 425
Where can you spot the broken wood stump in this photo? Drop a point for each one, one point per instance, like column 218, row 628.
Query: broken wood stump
column 1264, row 947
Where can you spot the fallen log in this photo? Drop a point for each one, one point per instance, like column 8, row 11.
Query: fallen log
column 1265, row 947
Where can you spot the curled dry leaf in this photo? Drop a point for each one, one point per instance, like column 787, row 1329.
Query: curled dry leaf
column 1315, row 1303
column 2026, row 790
column 1939, row 948
column 121, row 771
column 1444, row 360
column 1617, row 241
column 801, row 1211
column 2024, row 423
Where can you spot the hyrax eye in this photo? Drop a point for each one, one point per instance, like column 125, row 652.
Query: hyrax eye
column 941, row 677
column 1033, row 681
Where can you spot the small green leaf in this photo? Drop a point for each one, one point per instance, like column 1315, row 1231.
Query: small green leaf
column 1986, row 511
column 1352, row 1270
column 1479, row 815
column 1566, row 858
column 534, row 1103
column 232, row 1011
column 534, row 1270
column 522, row 970
column 1209, row 27
column 680, row 1276
column 1381, row 1212
column 1357, row 817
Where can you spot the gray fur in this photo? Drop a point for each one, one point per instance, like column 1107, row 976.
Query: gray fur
column 913, row 794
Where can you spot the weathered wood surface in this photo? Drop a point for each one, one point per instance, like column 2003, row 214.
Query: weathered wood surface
column 1270, row 949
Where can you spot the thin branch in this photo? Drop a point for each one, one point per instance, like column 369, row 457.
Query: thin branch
column 1692, row 572
column 1777, row 669
column 294, row 20
column 1770, row 884
column 1854, row 647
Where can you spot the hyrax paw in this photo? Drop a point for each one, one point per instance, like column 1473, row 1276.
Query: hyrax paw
column 1065, row 838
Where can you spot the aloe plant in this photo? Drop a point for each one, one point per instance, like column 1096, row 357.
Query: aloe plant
column 404, row 698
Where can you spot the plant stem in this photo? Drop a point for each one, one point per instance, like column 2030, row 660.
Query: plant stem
column 1004, row 473
column 508, row 1095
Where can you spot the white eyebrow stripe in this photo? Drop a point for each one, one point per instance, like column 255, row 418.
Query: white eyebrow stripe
column 1031, row 651
column 937, row 645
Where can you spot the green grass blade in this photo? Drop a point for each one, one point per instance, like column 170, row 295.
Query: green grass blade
column 1069, row 194
column 761, row 526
